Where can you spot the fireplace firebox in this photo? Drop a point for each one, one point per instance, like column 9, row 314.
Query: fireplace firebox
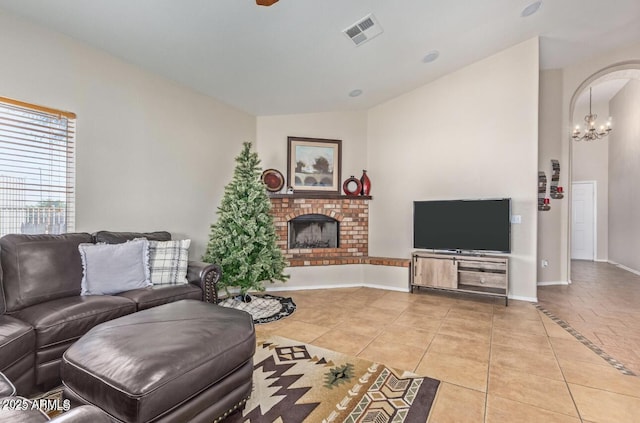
column 314, row 231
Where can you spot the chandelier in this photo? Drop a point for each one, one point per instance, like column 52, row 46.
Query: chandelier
column 591, row 132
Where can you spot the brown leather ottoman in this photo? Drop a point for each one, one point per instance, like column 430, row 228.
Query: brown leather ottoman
column 187, row 361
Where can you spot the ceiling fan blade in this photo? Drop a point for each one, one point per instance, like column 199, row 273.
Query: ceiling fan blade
column 266, row 2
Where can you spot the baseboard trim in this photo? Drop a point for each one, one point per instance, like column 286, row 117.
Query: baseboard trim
column 602, row 260
column 550, row 283
column 285, row 287
column 623, row 267
column 521, row 298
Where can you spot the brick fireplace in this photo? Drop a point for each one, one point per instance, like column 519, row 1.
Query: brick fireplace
column 351, row 215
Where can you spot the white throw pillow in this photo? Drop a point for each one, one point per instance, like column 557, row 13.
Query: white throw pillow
column 168, row 262
column 113, row 268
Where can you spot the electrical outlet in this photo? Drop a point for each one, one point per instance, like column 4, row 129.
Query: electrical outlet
column 516, row 218
column 545, row 263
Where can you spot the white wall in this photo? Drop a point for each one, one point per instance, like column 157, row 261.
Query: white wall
column 550, row 147
column 470, row 134
column 151, row 154
column 624, row 174
column 591, row 163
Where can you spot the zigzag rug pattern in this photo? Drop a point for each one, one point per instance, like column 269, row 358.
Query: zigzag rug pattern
column 295, row 382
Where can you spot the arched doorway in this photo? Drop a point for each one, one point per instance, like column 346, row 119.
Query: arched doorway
column 606, row 83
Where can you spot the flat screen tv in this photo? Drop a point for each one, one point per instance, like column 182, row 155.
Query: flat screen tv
column 463, row 225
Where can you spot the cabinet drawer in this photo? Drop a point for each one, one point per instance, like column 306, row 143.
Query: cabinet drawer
column 486, row 279
column 471, row 265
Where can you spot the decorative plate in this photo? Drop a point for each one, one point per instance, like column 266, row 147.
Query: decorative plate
column 273, row 179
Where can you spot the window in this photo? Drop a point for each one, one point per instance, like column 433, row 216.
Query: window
column 37, row 169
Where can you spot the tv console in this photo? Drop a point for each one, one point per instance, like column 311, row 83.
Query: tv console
column 476, row 274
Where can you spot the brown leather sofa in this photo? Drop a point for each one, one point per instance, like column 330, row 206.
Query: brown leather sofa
column 21, row 410
column 42, row 312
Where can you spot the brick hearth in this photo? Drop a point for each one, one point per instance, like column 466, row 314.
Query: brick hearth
column 352, row 213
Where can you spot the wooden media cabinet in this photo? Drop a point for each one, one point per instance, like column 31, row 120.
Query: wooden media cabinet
column 483, row 275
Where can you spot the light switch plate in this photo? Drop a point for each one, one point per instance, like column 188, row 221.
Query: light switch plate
column 516, row 218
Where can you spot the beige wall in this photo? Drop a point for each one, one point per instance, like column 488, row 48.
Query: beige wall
column 470, row 134
column 550, row 147
column 350, row 127
column 591, row 163
column 624, row 174
column 151, row 154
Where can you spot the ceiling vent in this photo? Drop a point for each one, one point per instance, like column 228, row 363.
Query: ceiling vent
column 363, row 30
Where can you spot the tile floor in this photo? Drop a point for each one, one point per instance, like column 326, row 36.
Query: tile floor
column 496, row 363
column 603, row 304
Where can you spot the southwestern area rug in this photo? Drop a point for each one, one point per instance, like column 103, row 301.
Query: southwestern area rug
column 295, row 382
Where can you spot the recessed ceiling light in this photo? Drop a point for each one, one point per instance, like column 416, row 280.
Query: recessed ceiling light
column 531, row 9
column 431, row 56
column 355, row 93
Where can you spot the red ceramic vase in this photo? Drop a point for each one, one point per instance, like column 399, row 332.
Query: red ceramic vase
column 366, row 183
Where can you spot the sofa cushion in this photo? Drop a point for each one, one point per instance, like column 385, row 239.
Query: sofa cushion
column 67, row 319
column 120, row 237
column 114, row 268
column 17, row 339
column 168, row 261
column 39, row 268
column 157, row 295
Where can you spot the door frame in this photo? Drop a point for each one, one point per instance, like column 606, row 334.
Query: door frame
column 594, row 185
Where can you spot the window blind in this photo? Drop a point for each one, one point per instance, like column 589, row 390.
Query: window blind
column 37, row 169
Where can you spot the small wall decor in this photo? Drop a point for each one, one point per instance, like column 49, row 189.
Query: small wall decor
column 352, row 186
column 273, row 180
column 555, row 191
column 543, row 203
column 366, row 183
column 313, row 165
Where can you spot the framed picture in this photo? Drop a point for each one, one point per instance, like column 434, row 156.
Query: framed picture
column 313, row 165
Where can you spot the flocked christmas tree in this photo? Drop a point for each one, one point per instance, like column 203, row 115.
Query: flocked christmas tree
column 243, row 240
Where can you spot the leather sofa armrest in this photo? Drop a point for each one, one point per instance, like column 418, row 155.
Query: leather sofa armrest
column 6, row 387
column 206, row 276
column 84, row 414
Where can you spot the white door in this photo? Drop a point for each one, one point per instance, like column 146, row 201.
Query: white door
column 583, row 220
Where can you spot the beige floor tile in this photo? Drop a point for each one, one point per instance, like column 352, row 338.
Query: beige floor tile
column 388, row 303
column 462, row 313
column 501, row 410
column 532, row 362
column 447, row 406
column 361, row 327
column 517, row 326
column 554, row 330
column 345, row 342
column 605, row 407
column 419, row 321
column 380, row 315
column 479, row 331
column 432, row 311
column 460, row 347
column 602, row 377
column 457, row 370
column 534, row 390
column 572, row 349
column 301, row 331
column 401, row 357
column 535, row 343
column 475, row 303
column 519, row 310
column 395, row 334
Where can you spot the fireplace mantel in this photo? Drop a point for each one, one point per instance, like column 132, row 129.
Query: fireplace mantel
column 311, row 196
